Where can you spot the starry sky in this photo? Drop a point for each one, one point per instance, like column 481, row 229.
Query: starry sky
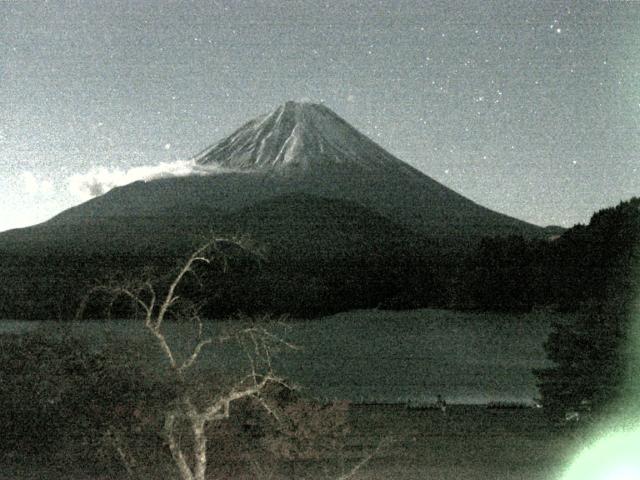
column 531, row 108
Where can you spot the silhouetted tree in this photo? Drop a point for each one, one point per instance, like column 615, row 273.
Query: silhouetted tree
column 589, row 348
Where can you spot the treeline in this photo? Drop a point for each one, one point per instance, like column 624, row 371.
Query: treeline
column 592, row 349
column 586, row 266
column 296, row 286
column 53, row 286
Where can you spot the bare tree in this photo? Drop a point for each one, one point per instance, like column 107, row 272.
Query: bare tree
column 190, row 410
column 258, row 342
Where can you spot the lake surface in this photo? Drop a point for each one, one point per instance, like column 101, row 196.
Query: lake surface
column 385, row 356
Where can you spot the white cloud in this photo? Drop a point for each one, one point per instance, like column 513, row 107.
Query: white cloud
column 100, row 180
column 34, row 185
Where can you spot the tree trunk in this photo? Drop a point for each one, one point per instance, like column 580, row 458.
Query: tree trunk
column 200, row 449
column 176, row 452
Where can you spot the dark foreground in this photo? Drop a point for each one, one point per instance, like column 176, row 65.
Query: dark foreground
column 465, row 443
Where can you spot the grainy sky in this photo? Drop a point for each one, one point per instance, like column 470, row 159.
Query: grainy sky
column 531, row 108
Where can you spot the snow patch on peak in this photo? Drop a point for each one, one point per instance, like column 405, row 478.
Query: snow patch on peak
column 296, row 133
column 290, row 146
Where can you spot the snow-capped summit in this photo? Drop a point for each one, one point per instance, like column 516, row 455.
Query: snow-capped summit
column 296, row 134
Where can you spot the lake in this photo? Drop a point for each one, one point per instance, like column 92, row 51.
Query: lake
column 386, row 356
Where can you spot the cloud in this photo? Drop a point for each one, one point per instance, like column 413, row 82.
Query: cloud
column 100, row 180
column 34, row 185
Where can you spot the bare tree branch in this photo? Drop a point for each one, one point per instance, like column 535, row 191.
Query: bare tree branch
column 194, row 355
column 366, row 459
column 113, row 437
column 220, row 408
column 268, row 409
column 164, row 346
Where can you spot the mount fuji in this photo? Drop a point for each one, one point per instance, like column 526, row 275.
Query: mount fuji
column 346, row 225
column 303, row 148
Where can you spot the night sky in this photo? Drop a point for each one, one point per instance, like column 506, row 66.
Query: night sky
column 530, row 108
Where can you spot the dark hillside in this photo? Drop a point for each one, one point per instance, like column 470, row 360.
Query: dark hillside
column 320, row 256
